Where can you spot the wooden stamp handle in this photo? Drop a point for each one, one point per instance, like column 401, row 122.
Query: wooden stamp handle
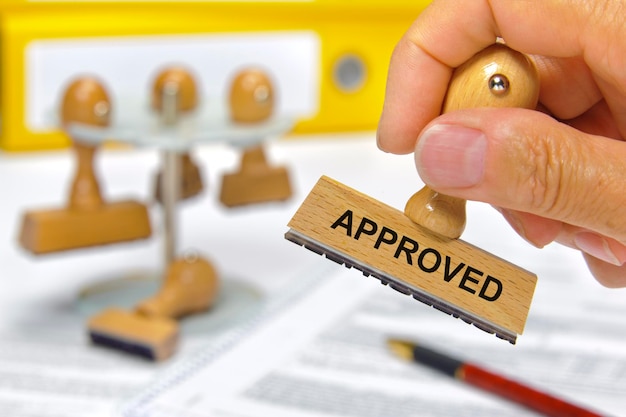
column 85, row 101
column 174, row 91
column 85, row 189
column 253, row 159
column 495, row 77
column 251, row 98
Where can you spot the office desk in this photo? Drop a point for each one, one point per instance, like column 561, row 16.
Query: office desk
column 47, row 367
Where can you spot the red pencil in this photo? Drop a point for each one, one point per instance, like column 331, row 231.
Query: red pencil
column 501, row 386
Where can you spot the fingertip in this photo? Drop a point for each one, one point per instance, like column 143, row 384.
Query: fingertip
column 416, row 86
column 608, row 275
column 536, row 230
column 387, row 140
column 597, row 246
column 380, row 143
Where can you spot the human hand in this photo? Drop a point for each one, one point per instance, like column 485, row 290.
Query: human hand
column 556, row 175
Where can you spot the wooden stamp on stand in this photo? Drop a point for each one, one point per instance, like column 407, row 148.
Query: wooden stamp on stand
column 87, row 219
column 179, row 83
column 252, row 101
column 418, row 252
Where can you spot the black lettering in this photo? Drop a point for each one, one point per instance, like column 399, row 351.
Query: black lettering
column 468, row 277
column 361, row 229
column 483, row 290
column 447, row 276
column 347, row 217
column 420, row 260
column 381, row 237
column 408, row 251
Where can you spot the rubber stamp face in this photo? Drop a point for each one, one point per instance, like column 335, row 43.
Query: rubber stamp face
column 176, row 81
column 251, row 97
column 86, row 101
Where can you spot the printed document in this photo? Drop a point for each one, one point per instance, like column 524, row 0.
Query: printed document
column 324, row 354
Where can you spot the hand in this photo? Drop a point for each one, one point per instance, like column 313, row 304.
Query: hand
column 558, row 174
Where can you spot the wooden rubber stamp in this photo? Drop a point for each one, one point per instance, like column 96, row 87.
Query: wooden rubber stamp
column 87, row 220
column 418, row 252
column 153, row 338
column 174, row 92
column 252, row 101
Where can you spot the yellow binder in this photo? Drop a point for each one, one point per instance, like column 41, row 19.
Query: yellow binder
column 329, row 58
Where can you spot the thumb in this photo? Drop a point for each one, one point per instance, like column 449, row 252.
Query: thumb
column 524, row 160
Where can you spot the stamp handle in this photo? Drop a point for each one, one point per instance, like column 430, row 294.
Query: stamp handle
column 497, row 76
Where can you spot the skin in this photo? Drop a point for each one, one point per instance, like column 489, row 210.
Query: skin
column 557, row 173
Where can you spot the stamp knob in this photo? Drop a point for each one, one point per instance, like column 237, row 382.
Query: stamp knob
column 251, row 96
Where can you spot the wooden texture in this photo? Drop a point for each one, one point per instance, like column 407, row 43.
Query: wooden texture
column 387, row 242
column 190, row 286
column 470, row 86
column 190, row 179
column 251, row 100
column 150, row 337
column 54, row 230
column 87, row 220
column 179, row 82
column 86, row 101
column 255, row 182
column 251, row 96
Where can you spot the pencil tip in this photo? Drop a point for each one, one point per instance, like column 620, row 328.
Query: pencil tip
column 401, row 348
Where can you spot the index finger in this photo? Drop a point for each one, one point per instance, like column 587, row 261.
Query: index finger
column 449, row 32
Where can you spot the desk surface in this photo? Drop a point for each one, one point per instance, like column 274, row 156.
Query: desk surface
column 46, row 365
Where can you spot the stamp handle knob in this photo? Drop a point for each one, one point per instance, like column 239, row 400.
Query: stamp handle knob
column 497, row 76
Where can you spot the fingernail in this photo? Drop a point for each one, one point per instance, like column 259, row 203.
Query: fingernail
column 596, row 246
column 451, row 156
